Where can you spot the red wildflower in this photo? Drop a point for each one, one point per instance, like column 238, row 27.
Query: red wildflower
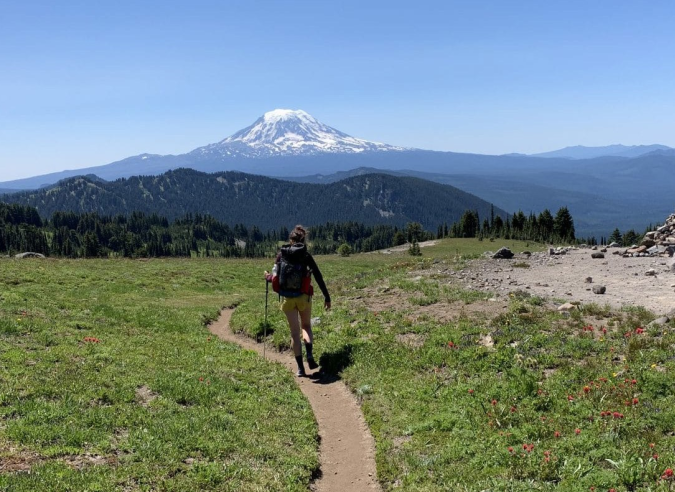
column 494, row 402
column 451, row 344
column 556, row 434
column 513, row 409
column 547, row 459
column 525, row 446
column 604, row 331
column 577, row 431
column 510, row 449
column 201, row 379
column 627, row 334
column 570, row 397
column 668, row 473
column 651, row 445
column 639, row 330
column 587, row 389
column 655, row 456
column 635, row 401
column 471, row 392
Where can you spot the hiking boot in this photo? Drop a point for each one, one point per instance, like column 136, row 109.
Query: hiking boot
column 301, row 373
column 312, row 364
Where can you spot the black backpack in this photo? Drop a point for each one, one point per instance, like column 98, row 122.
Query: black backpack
column 292, row 270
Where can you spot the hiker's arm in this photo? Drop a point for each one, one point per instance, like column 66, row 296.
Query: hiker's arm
column 268, row 276
column 319, row 278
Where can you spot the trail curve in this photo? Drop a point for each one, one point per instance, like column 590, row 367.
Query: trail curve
column 347, row 449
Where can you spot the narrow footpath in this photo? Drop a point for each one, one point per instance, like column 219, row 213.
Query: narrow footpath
column 347, row 449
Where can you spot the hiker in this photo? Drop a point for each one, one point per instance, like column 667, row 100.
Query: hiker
column 292, row 279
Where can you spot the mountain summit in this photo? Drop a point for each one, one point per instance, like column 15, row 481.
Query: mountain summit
column 290, row 132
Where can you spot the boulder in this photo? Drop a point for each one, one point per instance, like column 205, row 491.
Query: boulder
column 503, row 254
column 597, row 256
column 599, row 289
column 29, row 254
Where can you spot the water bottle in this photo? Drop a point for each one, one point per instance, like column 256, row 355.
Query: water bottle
column 274, row 270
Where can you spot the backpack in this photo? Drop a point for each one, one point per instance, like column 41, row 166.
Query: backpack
column 294, row 278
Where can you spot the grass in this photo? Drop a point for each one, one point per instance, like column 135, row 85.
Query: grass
column 110, row 363
column 448, row 412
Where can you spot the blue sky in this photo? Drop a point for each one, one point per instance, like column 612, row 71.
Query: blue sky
column 87, row 83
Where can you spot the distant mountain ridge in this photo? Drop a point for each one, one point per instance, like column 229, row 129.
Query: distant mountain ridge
column 618, row 150
column 268, row 203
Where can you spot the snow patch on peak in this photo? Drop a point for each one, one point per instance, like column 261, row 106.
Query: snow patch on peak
column 291, row 132
column 285, row 114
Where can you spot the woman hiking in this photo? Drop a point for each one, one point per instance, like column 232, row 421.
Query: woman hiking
column 292, row 279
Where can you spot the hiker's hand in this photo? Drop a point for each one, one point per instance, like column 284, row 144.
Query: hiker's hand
column 326, row 306
column 266, row 274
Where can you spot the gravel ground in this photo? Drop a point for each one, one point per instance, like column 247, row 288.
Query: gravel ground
column 563, row 278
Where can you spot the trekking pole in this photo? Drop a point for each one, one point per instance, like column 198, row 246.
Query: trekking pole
column 267, row 291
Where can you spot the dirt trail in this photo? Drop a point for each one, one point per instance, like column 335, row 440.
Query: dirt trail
column 347, row 449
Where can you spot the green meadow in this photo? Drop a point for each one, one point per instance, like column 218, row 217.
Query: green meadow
column 110, row 380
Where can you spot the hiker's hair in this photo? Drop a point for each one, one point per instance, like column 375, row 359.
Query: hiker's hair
column 298, row 234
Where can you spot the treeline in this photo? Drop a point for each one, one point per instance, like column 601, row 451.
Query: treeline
column 87, row 235
column 543, row 228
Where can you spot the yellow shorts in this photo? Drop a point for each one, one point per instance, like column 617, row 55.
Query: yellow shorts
column 300, row 303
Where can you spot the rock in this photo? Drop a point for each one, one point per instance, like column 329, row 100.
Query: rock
column 599, row 289
column 568, row 306
column 614, row 245
column 603, row 250
column 589, row 280
column 659, row 321
column 503, row 254
column 316, row 321
column 647, row 243
column 650, row 273
column 29, row 255
column 597, row 256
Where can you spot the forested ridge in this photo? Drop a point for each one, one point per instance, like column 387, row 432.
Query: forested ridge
column 238, row 198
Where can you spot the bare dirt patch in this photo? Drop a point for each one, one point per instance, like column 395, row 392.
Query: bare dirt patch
column 563, row 278
column 21, row 460
column 412, row 340
column 145, row 396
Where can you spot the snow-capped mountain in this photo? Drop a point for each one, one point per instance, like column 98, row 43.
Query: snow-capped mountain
column 290, row 132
